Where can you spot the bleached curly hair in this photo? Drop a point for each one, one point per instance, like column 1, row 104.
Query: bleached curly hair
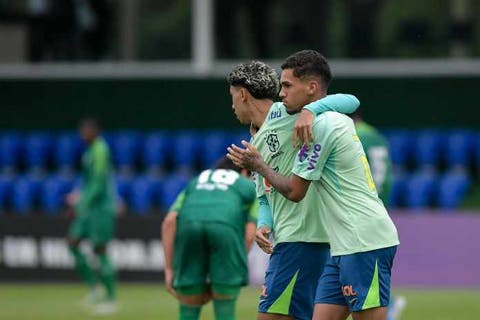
column 257, row 77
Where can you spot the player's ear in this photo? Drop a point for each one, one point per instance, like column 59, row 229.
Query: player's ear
column 243, row 94
column 313, row 86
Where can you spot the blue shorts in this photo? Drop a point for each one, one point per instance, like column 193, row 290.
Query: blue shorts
column 292, row 277
column 360, row 280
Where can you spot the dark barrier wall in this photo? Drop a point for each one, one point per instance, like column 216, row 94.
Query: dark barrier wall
column 437, row 249
column 161, row 103
column 33, row 248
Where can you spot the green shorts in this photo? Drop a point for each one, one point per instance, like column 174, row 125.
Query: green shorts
column 207, row 252
column 98, row 227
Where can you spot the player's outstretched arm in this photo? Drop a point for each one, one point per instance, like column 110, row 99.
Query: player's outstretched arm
column 264, row 225
column 303, row 131
column 169, row 228
column 250, row 229
column 293, row 188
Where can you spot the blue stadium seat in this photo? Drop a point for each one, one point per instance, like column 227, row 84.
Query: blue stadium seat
column 109, row 138
column 185, row 146
column 215, row 145
column 38, row 147
column 429, row 148
column 123, row 185
column 10, row 150
column 6, row 184
column 66, row 151
column 453, row 187
column 401, row 143
column 459, row 149
column 24, row 194
column 125, row 149
column 476, row 146
column 172, row 186
column 53, row 192
column 155, row 151
column 239, row 136
column 142, row 195
column 399, row 187
column 421, row 189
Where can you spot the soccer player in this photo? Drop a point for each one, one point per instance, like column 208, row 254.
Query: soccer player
column 206, row 236
column 362, row 236
column 301, row 244
column 377, row 152
column 94, row 207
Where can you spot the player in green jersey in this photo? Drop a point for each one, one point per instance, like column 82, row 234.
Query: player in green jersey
column 362, row 236
column 94, row 207
column 300, row 238
column 206, row 236
column 378, row 156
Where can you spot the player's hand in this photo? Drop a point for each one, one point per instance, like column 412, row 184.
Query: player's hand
column 70, row 213
column 261, row 238
column 208, row 295
column 169, row 282
column 303, row 129
column 72, row 198
column 248, row 158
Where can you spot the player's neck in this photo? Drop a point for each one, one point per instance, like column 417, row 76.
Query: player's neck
column 260, row 110
column 317, row 96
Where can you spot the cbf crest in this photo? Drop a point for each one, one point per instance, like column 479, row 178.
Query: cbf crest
column 272, row 141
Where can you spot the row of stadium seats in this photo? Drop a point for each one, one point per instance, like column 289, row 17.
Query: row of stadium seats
column 130, row 149
column 434, row 148
column 427, row 189
column 193, row 150
column 142, row 193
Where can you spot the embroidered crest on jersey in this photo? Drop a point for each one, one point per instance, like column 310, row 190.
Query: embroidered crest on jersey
column 272, row 141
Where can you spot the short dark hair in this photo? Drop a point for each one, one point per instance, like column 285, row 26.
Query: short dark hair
column 225, row 163
column 308, row 63
column 257, row 77
column 90, row 121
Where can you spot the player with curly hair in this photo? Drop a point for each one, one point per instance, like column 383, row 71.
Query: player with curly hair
column 301, row 243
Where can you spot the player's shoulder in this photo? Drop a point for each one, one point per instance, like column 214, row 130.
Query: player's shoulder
column 276, row 111
column 246, row 184
column 366, row 130
column 331, row 119
column 100, row 146
column 246, row 181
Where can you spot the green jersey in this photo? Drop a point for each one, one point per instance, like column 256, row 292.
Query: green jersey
column 292, row 222
column 356, row 219
column 97, row 193
column 376, row 150
column 222, row 196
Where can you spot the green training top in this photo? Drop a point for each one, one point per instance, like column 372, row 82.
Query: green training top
column 377, row 152
column 219, row 195
column 97, row 190
column 292, row 222
column 355, row 218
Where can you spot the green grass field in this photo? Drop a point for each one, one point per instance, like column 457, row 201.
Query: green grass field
column 21, row 302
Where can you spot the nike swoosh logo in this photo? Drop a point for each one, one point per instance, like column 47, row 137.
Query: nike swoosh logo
column 353, row 300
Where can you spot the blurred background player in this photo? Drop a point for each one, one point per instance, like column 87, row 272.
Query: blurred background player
column 206, row 236
column 94, row 207
column 377, row 151
column 378, row 155
column 300, row 238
